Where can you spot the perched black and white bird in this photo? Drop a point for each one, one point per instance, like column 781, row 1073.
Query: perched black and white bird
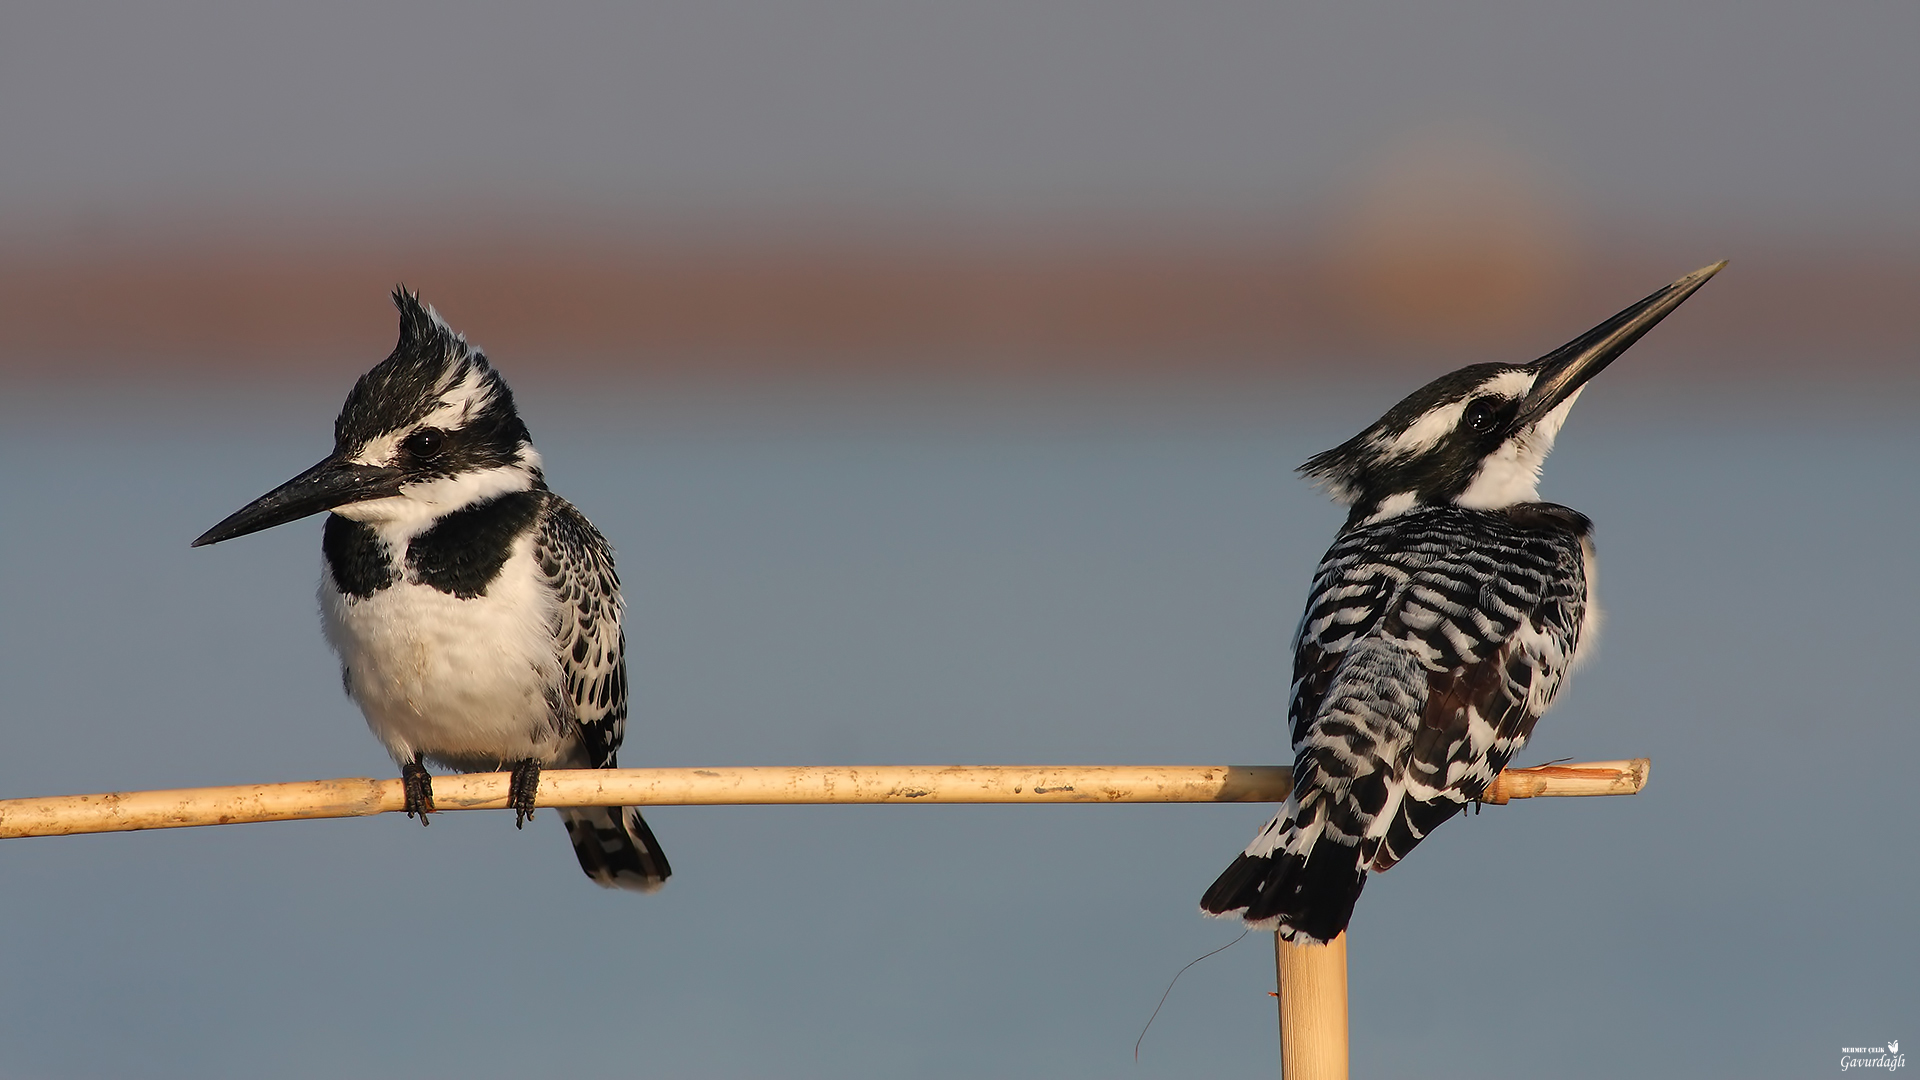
column 1442, row 623
column 475, row 612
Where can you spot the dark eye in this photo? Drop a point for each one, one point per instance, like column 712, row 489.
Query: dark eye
column 424, row 443
column 1481, row 416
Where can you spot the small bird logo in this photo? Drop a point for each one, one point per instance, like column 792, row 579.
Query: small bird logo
column 1893, row 1046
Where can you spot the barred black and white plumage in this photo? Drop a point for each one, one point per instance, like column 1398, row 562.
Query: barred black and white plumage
column 476, row 613
column 614, row 845
column 1442, row 624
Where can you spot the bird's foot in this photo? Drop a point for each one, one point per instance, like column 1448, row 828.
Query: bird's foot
column 523, row 786
column 419, row 788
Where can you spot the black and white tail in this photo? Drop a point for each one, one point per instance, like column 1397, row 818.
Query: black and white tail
column 1300, row 882
column 616, row 848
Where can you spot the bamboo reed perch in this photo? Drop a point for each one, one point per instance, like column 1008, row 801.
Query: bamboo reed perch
column 1313, row 1008
column 128, row 811
column 1312, row 979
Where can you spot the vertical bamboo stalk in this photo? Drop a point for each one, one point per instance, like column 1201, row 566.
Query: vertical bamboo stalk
column 1313, row 1009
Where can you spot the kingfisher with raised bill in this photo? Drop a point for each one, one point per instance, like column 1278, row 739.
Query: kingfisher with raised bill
column 475, row 612
column 1442, row 623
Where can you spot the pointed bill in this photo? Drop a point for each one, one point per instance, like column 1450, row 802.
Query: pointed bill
column 331, row 483
column 1568, row 367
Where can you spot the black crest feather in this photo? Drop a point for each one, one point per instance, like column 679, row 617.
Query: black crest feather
column 429, row 358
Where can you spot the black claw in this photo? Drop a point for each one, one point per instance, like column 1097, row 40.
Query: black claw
column 419, row 787
column 523, row 787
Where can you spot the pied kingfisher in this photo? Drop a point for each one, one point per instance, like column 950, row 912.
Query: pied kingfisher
column 1441, row 625
column 475, row 612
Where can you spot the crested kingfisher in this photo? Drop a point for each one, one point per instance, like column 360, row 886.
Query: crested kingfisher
column 475, row 612
column 1441, row 624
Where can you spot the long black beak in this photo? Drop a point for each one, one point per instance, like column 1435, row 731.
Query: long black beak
column 1568, row 367
column 333, row 482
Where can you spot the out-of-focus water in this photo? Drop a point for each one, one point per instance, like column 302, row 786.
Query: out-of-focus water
column 885, row 583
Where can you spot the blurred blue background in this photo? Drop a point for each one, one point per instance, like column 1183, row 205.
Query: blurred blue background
column 1077, row 581
column 903, row 560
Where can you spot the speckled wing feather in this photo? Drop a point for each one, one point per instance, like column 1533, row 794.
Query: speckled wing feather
column 614, row 844
column 593, row 648
column 1432, row 643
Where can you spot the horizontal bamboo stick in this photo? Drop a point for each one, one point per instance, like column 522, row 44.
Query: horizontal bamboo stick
column 1588, row 778
column 126, row 811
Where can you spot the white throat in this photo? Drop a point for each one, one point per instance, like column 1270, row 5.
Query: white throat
column 418, row 507
column 1511, row 474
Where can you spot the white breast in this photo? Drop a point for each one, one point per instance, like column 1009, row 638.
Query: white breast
column 464, row 682
column 1591, row 617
